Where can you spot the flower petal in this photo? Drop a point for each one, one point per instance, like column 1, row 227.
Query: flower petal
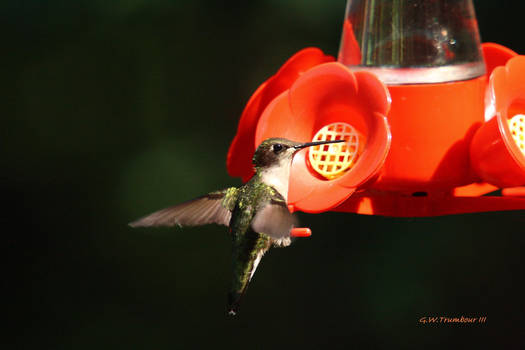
column 495, row 55
column 278, row 120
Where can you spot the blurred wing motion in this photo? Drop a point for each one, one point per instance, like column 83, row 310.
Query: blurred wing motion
column 276, row 221
column 212, row 208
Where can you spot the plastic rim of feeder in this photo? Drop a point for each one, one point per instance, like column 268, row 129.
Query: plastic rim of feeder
column 333, row 160
column 517, row 127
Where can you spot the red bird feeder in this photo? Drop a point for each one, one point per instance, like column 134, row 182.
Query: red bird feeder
column 433, row 120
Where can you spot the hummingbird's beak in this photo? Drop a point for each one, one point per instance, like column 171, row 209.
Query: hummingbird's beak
column 309, row 144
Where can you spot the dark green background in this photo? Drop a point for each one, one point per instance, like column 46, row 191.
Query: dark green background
column 113, row 109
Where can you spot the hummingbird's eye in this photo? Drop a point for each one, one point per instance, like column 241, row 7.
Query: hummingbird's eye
column 277, row 148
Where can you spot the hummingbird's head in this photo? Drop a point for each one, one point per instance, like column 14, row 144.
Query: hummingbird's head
column 279, row 152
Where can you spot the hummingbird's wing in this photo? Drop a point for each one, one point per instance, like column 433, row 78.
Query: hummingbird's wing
column 275, row 220
column 212, row 208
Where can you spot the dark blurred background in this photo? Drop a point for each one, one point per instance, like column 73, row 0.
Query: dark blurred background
column 114, row 109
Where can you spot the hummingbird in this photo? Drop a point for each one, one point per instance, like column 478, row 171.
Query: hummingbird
column 256, row 213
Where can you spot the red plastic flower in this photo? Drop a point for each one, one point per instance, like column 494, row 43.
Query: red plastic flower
column 326, row 94
column 239, row 160
column 497, row 150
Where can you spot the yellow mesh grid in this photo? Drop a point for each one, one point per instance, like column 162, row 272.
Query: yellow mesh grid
column 332, row 160
column 517, row 127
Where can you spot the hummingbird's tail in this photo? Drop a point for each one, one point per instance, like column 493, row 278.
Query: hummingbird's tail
column 246, row 258
column 234, row 302
column 241, row 280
